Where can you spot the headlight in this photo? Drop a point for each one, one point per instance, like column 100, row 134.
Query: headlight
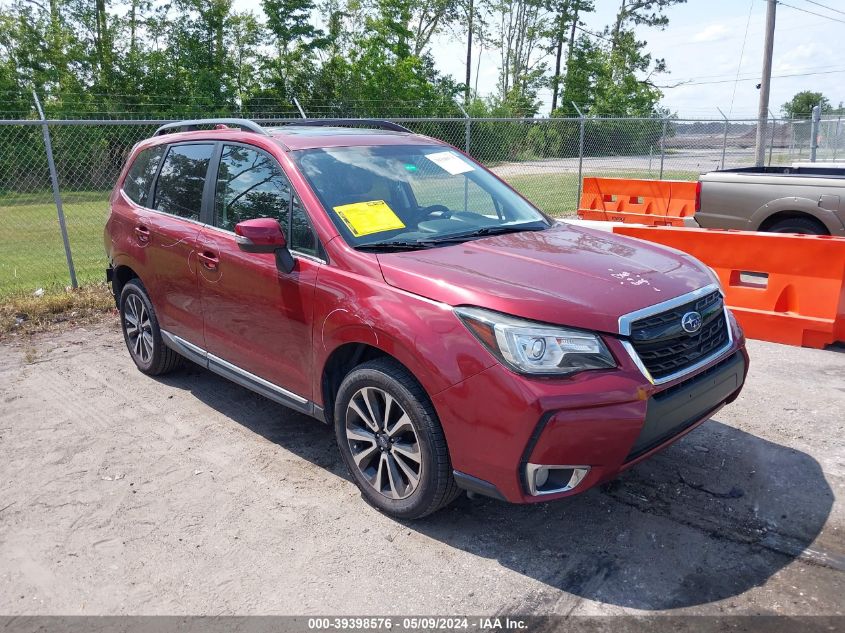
column 536, row 348
column 715, row 276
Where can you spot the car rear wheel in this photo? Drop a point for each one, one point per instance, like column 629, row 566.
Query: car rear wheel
column 806, row 226
column 391, row 441
column 142, row 334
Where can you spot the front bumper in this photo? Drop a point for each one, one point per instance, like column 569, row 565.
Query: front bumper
column 500, row 426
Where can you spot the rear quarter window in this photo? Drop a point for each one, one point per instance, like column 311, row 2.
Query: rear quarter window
column 141, row 174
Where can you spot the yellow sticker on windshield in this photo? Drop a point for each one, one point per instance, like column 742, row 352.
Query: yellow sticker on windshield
column 365, row 218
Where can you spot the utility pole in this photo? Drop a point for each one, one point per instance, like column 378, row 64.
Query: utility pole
column 765, row 82
column 470, row 12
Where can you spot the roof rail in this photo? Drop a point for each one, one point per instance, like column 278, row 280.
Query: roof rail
column 196, row 124
column 379, row 124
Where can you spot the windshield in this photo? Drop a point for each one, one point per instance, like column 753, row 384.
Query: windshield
column 407, row 196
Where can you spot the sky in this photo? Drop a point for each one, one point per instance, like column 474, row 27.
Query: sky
column 704, row 43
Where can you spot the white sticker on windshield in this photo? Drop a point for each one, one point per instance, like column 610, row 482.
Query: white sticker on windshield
column 450, row 162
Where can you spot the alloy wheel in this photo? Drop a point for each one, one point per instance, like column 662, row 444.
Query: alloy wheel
column 383, row 442
column 139, row 330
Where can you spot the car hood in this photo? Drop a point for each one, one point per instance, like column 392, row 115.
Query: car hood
column 566, row 275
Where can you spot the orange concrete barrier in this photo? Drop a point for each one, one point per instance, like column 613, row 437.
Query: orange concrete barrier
column 782, row 288
column 650, row 202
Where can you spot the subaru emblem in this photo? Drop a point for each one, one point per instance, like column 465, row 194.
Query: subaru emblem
column 691, row 322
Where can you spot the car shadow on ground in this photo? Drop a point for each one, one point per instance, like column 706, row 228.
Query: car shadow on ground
column 710, row 517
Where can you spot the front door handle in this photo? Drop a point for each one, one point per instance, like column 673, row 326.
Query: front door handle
column 209, row 260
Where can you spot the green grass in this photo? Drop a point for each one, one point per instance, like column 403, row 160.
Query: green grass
column 555, row 194
column 32, row 255
column 31, row 251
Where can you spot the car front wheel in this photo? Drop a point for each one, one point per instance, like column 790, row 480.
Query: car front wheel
column 391, row 441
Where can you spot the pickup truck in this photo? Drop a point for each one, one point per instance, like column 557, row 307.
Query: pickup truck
column 802, row 199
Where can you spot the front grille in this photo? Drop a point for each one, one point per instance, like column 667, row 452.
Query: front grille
column 666, row 348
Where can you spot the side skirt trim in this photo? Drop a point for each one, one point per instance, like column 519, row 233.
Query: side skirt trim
column 186, row 349
column 241, row 376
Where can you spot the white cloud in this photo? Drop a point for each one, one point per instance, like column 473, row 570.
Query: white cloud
column 710, row 32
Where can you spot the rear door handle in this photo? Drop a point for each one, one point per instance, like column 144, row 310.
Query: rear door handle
column 142, row 233
column 209, row 260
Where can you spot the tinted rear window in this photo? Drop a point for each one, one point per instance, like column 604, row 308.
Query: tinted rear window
column 181, row 180
column 141, row 174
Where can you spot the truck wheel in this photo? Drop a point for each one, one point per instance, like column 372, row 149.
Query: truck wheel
column 391, row 441
column 142, row 334
column 805, row 226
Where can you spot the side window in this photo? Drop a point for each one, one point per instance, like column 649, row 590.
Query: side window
column 181, row 180
column 141, row 174
column 250, row 185
column 302, row 236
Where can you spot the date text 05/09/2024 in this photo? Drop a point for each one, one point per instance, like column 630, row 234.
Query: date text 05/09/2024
column 426, row 623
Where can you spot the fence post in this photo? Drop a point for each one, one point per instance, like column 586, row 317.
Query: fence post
column 836, row 137
column 814, row 133
column 467, row 127
column 580, row 151
column 467, row 131
column 791, row 138
column 724, row 138
column 772, row 143
column 663, row 145
column 54, row 178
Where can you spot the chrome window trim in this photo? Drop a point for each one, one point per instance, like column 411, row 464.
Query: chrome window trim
column 143, row 209
column 715, row 356
column 626, row 320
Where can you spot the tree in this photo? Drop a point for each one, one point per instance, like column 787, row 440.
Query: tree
column 801, row 105
column 566, row 15
column 640, row 13
column 584, row 67
column 625, row 86
column 245, row 35
column 521, row 26
column 202, row 67
column 474, row 27
column 430, row 18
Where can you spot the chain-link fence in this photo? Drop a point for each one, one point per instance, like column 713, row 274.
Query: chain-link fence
column 544, row 159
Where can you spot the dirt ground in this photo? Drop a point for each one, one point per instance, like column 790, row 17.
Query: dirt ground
column 123, row 494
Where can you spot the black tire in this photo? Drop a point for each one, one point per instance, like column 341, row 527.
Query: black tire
column 157, row 359
column 805, row 226
column 436, row 485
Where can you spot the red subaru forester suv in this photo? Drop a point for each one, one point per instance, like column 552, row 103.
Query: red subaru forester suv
column 384, row 282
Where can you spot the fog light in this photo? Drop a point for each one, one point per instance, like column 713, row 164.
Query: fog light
column 548, row 480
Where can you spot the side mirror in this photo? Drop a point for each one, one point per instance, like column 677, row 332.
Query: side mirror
column 264, row 235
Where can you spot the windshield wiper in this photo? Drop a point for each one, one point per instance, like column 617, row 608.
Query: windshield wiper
column 448, row 239
column 484, row 231
column 398, row 245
